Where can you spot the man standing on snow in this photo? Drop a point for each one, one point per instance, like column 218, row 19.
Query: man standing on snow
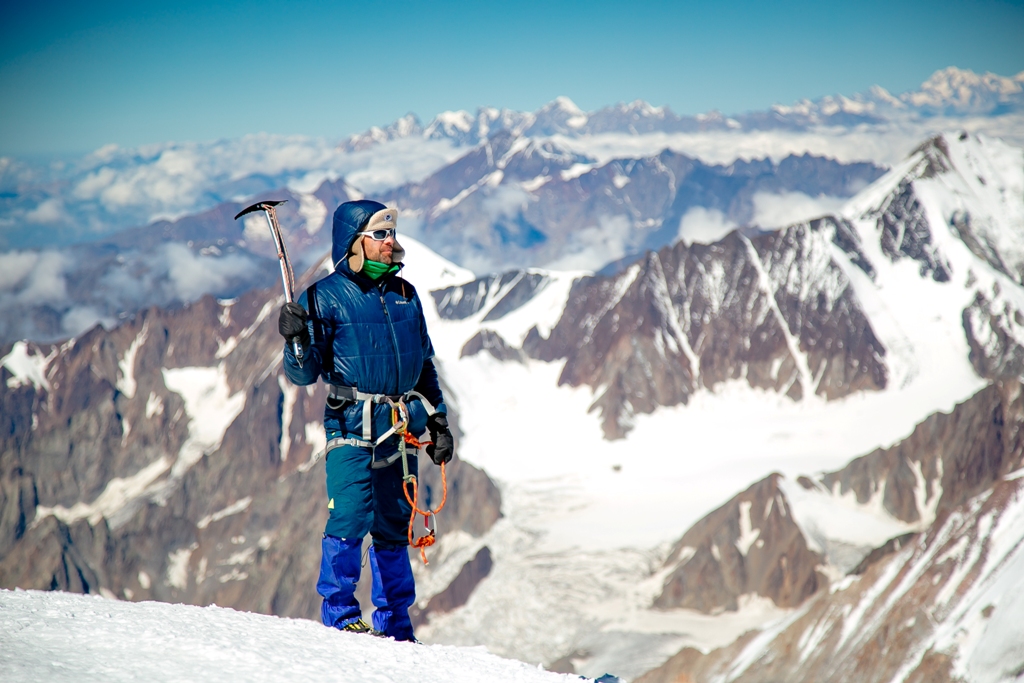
column 362, row 330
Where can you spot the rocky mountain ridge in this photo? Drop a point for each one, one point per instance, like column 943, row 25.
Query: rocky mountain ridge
column 470, row 210
column 797, row 310
column 935, row 603
column 949, row 91
column 518, row 202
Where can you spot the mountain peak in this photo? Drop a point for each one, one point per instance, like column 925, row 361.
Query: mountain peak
column 562, row 104
column 963, row 91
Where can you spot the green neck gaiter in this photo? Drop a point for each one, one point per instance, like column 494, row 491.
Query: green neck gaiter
column 374, row 270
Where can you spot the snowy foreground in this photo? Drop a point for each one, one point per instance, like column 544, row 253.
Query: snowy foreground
column 65, row 637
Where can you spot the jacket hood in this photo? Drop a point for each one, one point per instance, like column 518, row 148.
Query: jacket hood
column 349, row 219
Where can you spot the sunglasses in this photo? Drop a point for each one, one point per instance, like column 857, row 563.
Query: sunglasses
column 380, row 234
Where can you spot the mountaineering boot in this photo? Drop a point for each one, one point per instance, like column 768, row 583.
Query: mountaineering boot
column 360, row 626
column 394, row 591
column 339, row 572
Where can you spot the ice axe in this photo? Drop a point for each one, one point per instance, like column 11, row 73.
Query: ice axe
column 287, row 275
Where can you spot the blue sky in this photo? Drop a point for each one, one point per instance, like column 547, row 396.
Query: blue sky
column 76, row 76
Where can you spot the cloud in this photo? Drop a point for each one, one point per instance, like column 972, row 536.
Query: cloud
column 786, row 208
column 37, row 302
column 255, row 228
column 595, row 246
column 704, row 226
column 504, row 201
column 48, row 211
column 78, row 319
column 399, row 162
column 192, row 276
column 14, row 267
column 33, row 278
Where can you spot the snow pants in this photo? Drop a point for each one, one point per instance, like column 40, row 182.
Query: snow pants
column 364, row 500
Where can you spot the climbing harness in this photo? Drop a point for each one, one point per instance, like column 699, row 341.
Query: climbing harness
column 399, row 421
column 399, row 427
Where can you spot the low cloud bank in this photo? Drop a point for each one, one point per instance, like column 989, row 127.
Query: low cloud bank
column 704, row 226
column 779, row 210
column 51, row 295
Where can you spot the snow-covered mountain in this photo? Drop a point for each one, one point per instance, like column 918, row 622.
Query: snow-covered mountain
column 797, row 310
column 614, row 413
column 791, row 351
column 920, row 546
column 948, row 92
column 497, row 204
column 515, row 202
column 84, row 198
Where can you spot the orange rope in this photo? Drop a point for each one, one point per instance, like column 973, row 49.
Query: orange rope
column 427, row 540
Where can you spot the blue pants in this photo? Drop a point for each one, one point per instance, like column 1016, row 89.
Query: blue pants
column 364, row 500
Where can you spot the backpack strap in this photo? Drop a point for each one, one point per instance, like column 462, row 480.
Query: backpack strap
column 327, row 362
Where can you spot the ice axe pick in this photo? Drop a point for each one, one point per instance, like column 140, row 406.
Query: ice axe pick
column 287, row 275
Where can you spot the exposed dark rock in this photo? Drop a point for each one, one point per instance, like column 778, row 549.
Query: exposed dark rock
column 458, row 591
column 888, row 548
column 906, row 233
column 492, row 343
column 995, row 331
column 499, row 294
column 696, row 316
column 721, row 558
column 954, row 456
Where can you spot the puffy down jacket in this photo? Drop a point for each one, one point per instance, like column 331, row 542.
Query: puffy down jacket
column 365, row 334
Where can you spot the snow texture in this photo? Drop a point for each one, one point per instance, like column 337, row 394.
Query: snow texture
column 60, row 637
column 26, row 368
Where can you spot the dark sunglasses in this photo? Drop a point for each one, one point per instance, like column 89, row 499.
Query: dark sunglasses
column 380, row 234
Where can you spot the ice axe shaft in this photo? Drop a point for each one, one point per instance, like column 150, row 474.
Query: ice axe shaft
column 287, row 275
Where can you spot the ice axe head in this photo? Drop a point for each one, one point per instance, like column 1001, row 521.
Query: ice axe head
column 259, row 206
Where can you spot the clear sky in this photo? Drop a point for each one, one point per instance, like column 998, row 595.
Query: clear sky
column 75, row 76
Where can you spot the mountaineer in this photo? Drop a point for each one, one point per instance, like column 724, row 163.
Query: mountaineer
column 361, row 329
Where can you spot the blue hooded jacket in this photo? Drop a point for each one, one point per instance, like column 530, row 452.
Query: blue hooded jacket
column 366, row 334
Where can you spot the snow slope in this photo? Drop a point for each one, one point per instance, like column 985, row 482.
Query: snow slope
column 63, row 637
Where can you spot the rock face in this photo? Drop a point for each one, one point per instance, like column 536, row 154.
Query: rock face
column 774, row 309
column 793, row 310
column 749, row 545
column 169, row 459
column 459, row 590
column 916, row 608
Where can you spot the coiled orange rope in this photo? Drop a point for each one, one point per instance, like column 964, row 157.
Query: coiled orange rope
column 427, row 540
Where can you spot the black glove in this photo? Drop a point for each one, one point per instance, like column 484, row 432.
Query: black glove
column 292, row 323
column 444, row 445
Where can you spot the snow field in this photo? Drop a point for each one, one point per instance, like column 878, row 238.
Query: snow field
column 60, row 637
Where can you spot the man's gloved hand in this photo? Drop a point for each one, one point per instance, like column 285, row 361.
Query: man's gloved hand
column 444, row 445
column 292, row 323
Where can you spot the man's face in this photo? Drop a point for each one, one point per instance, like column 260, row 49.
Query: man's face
column 381, row 252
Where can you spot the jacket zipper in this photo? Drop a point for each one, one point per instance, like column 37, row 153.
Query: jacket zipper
column 394, row 339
